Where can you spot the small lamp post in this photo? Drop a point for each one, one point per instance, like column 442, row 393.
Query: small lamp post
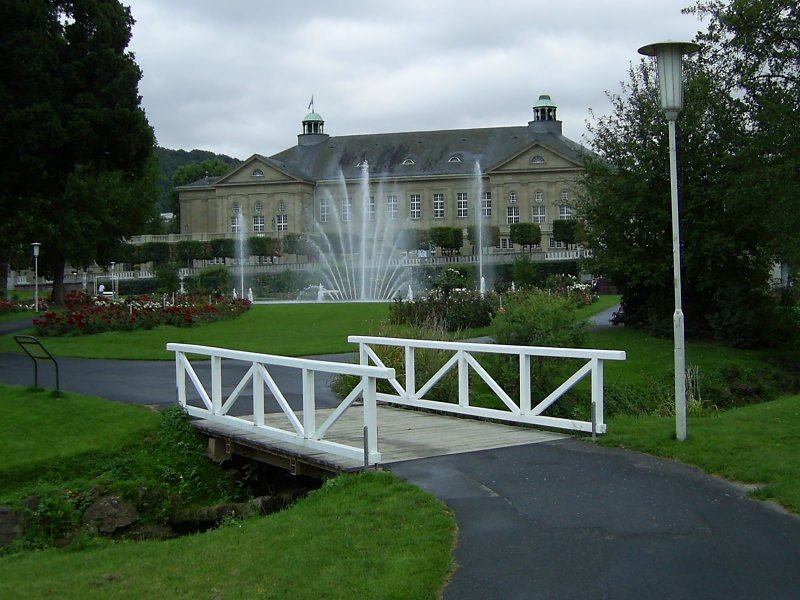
column 35, row 246
column 670, row 80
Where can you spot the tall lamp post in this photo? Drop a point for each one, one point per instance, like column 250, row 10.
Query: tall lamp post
column 35, row 246
column 670, row 79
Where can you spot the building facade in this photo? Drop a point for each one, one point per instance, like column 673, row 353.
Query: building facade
column 495, row 176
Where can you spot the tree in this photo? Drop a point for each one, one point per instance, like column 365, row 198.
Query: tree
column 487, row 236
column 75, row 146
column 626, row 209
column 526, row 234
column 449, row 239
column 568, row 231
column 755, row 45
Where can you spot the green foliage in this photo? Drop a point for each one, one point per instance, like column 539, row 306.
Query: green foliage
column 363, row 536
column 263, row 246
column 567, row 231
column 222, row 248
column 537, row 319
column 214, row 280
column 167, row 277
column 449, row 239
column 626, row 206
column 526, row 234
column 755, row 47
column 77, row 152
column 453, row 311
column 188, row 250
column 155, row 252
column 488, row 235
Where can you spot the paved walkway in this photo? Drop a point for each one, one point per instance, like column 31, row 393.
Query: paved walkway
column 562, row 519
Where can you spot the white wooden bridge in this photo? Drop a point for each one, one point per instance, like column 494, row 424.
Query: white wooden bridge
column 265, row 414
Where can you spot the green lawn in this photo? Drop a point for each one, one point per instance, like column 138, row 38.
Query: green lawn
column 363, row 536
column 755, row 444
column 284, row 329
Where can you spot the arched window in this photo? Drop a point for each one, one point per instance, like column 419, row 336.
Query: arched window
column 257, row 173
column 454, row 159
column 408, row 161
column 537, row 160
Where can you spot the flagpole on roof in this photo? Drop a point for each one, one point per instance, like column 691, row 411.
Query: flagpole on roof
column 311, row 104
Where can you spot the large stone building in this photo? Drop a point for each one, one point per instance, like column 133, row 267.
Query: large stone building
column 419, row 180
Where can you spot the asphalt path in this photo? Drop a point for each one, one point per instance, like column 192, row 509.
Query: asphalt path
column 556, row 520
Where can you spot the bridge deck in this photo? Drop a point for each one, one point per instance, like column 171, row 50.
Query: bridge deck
column 403, row 435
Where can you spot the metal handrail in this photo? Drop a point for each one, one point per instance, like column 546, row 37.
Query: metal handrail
column 28, row 340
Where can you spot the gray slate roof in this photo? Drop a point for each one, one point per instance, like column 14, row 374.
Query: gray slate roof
column 430, row 151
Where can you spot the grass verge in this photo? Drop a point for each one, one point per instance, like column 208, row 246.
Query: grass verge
column 284, row 329
column 365, row 536
column 758, row 444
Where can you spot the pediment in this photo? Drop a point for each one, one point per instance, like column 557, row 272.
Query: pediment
column 536, row 157
column 257, row 169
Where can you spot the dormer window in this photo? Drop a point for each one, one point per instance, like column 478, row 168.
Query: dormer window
column 537, row 160
column 408, row 161
column 363, row 163
column 257, row 173
column 454, row 159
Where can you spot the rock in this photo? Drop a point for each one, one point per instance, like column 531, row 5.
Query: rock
column 107, row 514
column 10, row 525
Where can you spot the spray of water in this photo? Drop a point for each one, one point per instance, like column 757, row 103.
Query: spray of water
column 360, row 263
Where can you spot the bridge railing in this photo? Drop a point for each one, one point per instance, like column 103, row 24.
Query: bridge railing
column 410, row 392
column 305, row 431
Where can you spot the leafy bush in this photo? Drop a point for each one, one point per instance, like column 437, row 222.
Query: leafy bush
column 452, row 311
column 537, row 319
column 214, row 280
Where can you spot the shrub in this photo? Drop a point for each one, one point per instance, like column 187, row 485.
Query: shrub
column 214, row 280
column 537, row 319
column 452, row 311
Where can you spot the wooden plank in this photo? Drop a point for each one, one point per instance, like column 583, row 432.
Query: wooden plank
column 403, row 435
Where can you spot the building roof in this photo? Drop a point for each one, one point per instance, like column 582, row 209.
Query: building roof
column 422, row 153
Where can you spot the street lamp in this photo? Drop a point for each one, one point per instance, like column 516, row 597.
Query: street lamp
column 35, row 246
column 670, row 81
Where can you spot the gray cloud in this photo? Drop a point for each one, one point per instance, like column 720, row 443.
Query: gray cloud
column 236, row 77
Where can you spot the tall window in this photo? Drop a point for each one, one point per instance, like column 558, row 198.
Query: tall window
column 564, row 212
column 512, row 214
column 392, row 207
column 486, row 204
column 347, row 209
column 512, row 197
column 258, row 224
column 538, row 197
column 505, row 243
column 282, row 221
column 564, row 195
column 236, row 226
column 539, row 215
column 415, row 204
column 438, row 206
column 324, row 209
column 462, row 205
column 371, row 208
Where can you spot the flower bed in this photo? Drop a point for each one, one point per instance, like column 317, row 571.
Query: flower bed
column 85, row 315
column 8, row 307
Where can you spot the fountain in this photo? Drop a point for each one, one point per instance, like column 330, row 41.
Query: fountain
column 479, row 223
column 241, row 249
column 362, row 264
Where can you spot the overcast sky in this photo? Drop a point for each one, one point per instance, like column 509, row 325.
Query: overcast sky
column 236, row 77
